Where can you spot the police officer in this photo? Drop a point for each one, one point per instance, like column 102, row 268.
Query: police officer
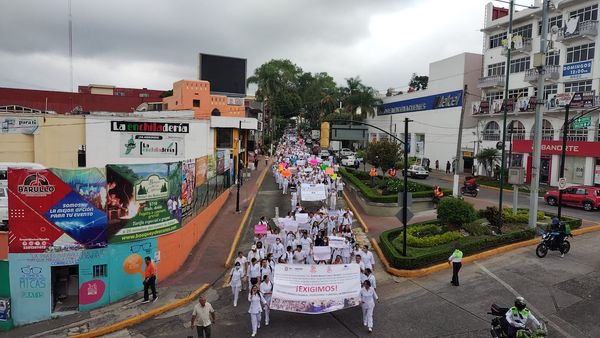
column 456, row 260
column 519, row 317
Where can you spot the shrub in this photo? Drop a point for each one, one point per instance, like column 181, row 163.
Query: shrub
column 522, row 216
column 426, row 235
column 493, row 215
column 454, row 211
column 478, row 227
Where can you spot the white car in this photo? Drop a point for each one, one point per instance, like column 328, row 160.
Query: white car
column 349, row 161
column 324, row 153
column 417, row 171
column 346, row 152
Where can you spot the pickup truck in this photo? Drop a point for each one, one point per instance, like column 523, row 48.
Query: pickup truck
column 349, row 161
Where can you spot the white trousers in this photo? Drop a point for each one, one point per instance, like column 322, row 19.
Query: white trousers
column 285, row 186
column 367, row 310
column 255, row 319
column 267, row 308
column 236, row 293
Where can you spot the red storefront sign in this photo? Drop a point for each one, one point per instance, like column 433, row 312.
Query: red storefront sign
column 574, row 148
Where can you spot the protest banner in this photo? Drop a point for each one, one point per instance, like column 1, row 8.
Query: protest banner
column 337, row 242
column 291, row 226
column 302, row 218
column 321, row 253
column 270, row 239
column 260, row 229
column 300, row 163
column 304, row 226
column 313, row 192
column 315, row 289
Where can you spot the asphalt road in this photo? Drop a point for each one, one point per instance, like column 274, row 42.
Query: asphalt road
column 564, row 292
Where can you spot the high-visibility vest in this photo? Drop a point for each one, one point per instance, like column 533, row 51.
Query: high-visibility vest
column 372, row 172
column 523, row 313
column 457, row 253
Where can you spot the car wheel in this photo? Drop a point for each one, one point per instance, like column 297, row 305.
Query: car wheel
column 588, row 206
column 551, row 201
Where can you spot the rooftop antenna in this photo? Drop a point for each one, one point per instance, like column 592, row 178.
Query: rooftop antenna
column 70, row 48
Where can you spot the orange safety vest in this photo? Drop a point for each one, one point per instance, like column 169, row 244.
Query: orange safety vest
column 392, row 172
column 372, row 172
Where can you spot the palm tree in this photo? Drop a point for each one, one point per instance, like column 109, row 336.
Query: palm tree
column 488, row 157
column 359, row 98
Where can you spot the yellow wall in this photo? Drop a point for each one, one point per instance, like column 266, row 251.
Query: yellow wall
column 55, row 144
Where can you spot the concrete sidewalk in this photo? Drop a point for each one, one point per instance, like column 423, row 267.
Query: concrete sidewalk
column 205, row 265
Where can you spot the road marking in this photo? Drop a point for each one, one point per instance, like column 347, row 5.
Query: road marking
column 516, row 294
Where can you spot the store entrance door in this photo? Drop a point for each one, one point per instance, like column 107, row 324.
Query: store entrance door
column 545, row 165
column 65, row 288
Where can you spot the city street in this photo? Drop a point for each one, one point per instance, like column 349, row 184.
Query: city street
column 562, row 292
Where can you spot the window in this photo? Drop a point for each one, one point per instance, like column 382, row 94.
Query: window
column 553, row 58
column 100, row 270
column 519, row 65
column 580, row 53
column 524, row 31
column 548, row 90
column 144, row 95
column 554, row 21
column 494, row 96
column 496, row 69
column 491, row 131
column 224, row 138
column 547, row 131
column 576, row 134
column 496, row 40
column 578, row 86
column 585, row 14
column 3, row 192
column 119, row 93
column 519, row 92
column 196, row 103
column 517, row 130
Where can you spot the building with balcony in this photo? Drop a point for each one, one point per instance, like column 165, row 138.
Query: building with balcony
column 570, row 66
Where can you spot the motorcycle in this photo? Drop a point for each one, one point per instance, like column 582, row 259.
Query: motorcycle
column 500, row 325
column 548, row 243
column 472, row 190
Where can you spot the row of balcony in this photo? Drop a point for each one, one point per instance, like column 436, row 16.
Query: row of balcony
column 523, row 105
column 550, row 73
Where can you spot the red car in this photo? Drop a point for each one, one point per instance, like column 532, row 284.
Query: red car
column 587, row 198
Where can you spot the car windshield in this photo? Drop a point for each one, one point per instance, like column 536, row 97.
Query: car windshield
column 418, row 167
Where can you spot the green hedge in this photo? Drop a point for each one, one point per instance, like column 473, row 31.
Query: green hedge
column 426, row 236
column 419, row 257
column 575, row 223
column 354, row 177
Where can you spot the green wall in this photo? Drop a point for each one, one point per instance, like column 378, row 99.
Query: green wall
column 4, row 292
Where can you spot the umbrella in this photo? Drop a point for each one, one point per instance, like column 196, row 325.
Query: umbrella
column 329, row 171
column 286, row 173
column 313, row 161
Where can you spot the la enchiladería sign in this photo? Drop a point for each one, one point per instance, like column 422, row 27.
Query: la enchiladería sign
column 150, row 127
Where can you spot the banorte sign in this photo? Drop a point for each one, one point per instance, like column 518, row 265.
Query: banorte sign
column 573, row 148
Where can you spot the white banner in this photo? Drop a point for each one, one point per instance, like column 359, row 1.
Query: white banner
column 337, row 242
column 18, row 125
column 321, row 253
column 151, row 145
column 313, row 192
column 315, row 289
column 302, row 217
column 300, row 163
column 290, row 226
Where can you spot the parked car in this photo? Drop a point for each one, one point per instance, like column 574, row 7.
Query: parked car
column 350, row 161
column 346, row 152
column 417, row 171
column 584, row 197
column 324, row 153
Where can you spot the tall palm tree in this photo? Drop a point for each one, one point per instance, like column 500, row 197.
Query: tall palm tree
column 488, row 157
column 359, row 98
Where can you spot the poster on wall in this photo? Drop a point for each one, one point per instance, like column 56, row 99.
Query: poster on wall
column 151, row 145
column 212, row 166
column 220, row 161
column 144, row 200
column 18, row 125
column 315, row 289
column 188, row 186
column 201, row 170
column 58, row 209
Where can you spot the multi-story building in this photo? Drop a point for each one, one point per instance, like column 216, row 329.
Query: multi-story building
column 570, row 66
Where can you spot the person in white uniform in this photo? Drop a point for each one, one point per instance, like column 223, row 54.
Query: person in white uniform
column 253, row 273
column 235, row 281
column 368, row 257
column 256, row 299
column 266, row 289
column 368, row 296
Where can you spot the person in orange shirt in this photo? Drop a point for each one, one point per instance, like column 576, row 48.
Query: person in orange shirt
column 149, row 281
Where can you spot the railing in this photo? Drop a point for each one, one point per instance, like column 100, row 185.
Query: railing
column 586, row 28
column 491, row 135
column 491, row 81
column 524, row 48
column 551, row 72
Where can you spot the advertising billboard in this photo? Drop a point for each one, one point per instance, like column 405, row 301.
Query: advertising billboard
column 227, row 75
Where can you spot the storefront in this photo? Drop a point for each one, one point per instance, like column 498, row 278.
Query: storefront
column 582, row 162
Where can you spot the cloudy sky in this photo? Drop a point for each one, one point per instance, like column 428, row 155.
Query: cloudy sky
column 152, row 43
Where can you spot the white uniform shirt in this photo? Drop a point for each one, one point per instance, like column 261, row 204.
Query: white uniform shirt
column 255, row 301
column 236, row 277
column 368, row 296
column 254, row 270
column 266, row 289
column 368, row 257
column 242, row 260
column 305, row 242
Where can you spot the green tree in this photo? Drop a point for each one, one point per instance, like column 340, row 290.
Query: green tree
column 488, row 157
column 359, row 99
column 418, row 82
column 383, row 154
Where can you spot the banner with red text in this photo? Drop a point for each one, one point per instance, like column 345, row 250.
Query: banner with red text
column 315, row 289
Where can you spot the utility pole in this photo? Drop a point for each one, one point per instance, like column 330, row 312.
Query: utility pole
column 405, row 190
column 505, row 110
column 537, row 140
column 458, row 168
column 563, row 156
column 238, row 162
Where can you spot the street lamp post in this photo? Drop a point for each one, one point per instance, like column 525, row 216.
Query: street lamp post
column 405, row 190
column 238, row 162
column 563, row 156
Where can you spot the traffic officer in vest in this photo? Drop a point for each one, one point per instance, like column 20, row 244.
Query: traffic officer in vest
column 519, row 317
column 456, row 260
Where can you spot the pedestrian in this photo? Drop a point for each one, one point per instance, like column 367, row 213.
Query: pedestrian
column 437, row 165
column 340, row 187
column 456, row 260
column 235, row 281
column 149, row 281
column 368, row 275
column 447, row 167
column 368, row 258
column 256, row 299
column 255, row 162
column 244, row 265
column 253, row 273
column 368, row 296
column 266, row 289
column 205, row 315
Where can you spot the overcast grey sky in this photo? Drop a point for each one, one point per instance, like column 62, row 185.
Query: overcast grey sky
column 151, row 43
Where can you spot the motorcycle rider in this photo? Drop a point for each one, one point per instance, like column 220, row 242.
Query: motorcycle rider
column 519, row 317
column 558, row 233
column 470, row 183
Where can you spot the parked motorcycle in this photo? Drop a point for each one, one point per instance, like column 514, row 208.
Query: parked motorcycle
column 548, row 243
column 500, row 325
column 470, row 190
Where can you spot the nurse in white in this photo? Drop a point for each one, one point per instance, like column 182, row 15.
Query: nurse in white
column 368, row 296
column 266, row 289
column 256, row 299
column 235, row 281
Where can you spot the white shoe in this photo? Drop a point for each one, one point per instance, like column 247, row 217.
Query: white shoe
column 364, row 324
column 234, row 304
column 562, row 255
column 370, row 329
column 146, row 301
column 253, row 335
column 266, row 323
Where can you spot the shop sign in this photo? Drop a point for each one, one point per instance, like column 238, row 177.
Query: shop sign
column 577, row 70
column 582, row 122
column 444, row 100
column 149, row 127
column 153, row 146
column 18, row 125
column 573, row 148
column 583, row 100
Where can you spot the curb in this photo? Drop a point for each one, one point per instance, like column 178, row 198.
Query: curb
column 467, row 259
column 238, row 234
column 356, row 214
column 143, row 317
